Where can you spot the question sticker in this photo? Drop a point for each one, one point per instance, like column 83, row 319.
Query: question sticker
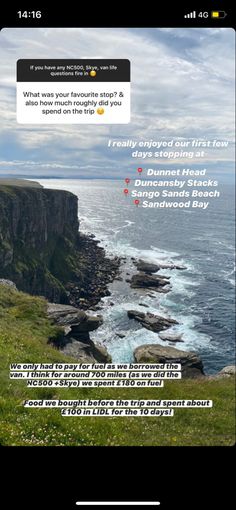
column 85, row 91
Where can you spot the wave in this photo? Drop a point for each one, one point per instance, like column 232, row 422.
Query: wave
column 116, row 322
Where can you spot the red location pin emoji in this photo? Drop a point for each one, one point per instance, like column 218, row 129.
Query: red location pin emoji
column 126, row 191
column 127, row 180
column 136, row 201
column 140, row 170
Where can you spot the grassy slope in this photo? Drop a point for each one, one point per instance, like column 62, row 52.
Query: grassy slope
column 20, row 182
column 24, row 330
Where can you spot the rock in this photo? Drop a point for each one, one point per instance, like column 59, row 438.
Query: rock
column 191, row 363
column 67, row 330
column 76, row 326
column 90, row 323
column 171, row 336
column 143, row 304
column 151, row 321
column 65, row 314
column 147, row 267
column 150, row 282
column 8, row 283
column 78, row 350
column 87, row 352
column 76, row 320
column 120, row 335
column 163, row 290
column 101, row 354
column 229, row 371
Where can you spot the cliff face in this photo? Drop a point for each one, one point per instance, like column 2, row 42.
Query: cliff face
column 38, row 238
column 43, row 253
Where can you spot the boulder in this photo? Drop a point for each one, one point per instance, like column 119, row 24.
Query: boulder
column 75, row 340
column 90, row 323
column 88, row 352
column 101, row 354
column 65, row 314
column 229, row 371
column 151, row 321
column 191, row 363
column 146, row 267
column 147, row 281
column 70, row 317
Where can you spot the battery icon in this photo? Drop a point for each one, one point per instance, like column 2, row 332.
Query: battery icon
column 218, row 14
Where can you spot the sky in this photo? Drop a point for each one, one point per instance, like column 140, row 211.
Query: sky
column 182, row 86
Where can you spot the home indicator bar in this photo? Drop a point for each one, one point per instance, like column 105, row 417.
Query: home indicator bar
column 118, row 503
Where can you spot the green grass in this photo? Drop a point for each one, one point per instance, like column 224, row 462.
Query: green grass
column 24, row 333
column 19, row 182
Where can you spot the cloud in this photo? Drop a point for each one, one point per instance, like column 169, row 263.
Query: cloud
column 182, row 86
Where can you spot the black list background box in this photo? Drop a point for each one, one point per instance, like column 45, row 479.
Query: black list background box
column 177, row 477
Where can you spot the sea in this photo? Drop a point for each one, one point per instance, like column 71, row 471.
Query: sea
column 201, row 298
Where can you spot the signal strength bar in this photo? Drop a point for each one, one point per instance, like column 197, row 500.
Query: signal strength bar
column 190, row 15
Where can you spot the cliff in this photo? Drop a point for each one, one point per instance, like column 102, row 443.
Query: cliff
column 41, row 249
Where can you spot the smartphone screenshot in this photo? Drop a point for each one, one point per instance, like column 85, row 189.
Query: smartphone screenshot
column 117, row 255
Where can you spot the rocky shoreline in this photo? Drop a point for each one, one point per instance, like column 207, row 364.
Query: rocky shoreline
column 147, row 280
column 75, row 326
column 100, row 271
column 44, row 253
